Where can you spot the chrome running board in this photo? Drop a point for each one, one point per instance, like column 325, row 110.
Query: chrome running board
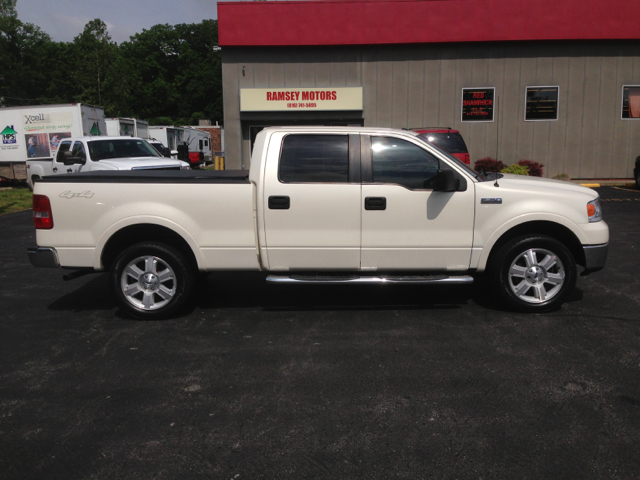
column 354, row 279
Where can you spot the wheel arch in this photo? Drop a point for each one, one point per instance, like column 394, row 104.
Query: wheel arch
column 541, row 227
column 140, row 232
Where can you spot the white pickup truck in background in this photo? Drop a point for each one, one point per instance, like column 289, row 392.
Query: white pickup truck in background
column 90, row 154
column 323, row 205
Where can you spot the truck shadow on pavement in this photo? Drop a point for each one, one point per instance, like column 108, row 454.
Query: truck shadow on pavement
column 249, row 290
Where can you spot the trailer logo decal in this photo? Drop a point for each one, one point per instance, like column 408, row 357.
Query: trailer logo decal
column 95, row 129
column 69, row 195
column 9, row 135
column 40, row 118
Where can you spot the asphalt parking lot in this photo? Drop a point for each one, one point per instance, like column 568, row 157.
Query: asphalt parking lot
column 289, row 382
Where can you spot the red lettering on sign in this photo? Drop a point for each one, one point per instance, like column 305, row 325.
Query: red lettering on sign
column 334, row 95
column 305, row 95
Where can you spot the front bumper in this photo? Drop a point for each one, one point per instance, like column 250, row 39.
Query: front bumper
column 595, row 256
column 44, row 257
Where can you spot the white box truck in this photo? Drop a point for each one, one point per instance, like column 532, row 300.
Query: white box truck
column 169, row 136
column 127, row 127
column 36, row 131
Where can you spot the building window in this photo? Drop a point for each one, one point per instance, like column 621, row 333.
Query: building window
column 315, row 159
column 402, row 163
column 477, row 104
column 541, row 103
column 631, row 102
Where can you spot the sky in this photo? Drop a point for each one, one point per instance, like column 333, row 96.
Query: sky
column 65, row 19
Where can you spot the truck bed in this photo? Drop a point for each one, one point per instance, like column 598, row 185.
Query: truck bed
column 153, row 176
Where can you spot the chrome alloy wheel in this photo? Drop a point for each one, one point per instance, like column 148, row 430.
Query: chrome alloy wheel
column 148, row 283
column 536, row 275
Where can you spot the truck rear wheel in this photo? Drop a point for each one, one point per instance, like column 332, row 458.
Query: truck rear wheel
column 533, row 273
column 152, row 280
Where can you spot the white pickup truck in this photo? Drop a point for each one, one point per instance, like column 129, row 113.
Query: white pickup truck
column 90, row 154
column 323, row 205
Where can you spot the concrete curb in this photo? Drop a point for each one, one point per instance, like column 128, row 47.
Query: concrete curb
column 605, row 183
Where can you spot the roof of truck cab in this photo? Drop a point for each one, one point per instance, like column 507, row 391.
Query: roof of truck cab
column 88, row 138
column 311, row 128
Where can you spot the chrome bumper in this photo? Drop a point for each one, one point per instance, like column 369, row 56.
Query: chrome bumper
column 595, row 256
column 44, row 257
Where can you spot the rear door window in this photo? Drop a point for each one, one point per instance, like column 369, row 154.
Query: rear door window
column 315, row 159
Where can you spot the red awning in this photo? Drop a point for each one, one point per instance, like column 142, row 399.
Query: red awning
column 377, row 22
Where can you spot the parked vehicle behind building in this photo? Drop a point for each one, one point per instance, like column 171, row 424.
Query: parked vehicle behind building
column 323, row 205
column 36, row 132
column 448, row 139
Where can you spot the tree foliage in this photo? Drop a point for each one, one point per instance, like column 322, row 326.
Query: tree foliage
column 163, row 73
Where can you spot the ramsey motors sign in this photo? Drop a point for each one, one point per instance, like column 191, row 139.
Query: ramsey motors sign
column 293, row 99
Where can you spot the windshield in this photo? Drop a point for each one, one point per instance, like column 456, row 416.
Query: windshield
column 451, row 142
column 457, row 161
column 120, row 148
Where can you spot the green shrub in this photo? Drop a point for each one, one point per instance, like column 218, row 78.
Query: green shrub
column 535, row 168
column 562, row 176
column 516, row 169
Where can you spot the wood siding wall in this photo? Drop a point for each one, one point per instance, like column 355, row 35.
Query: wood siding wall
column 421, row 85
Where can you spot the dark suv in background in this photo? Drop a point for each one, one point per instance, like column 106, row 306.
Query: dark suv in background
column 447, row 139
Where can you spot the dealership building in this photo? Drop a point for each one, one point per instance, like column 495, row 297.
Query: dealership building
column 554, row 81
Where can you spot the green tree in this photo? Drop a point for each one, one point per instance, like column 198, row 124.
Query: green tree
column 95, row 54
column 25, row 59
column 175, row 71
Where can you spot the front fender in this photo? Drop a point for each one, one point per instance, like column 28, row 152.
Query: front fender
column 492, row 239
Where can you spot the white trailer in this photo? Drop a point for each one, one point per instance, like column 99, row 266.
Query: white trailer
column 121, row 127
column 169, row 136
column 36, row 131
column 127, row 127
column 198, row 141
column 142, row 129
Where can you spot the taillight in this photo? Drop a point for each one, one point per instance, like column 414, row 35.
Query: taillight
column 467, row 159
column 42, row 215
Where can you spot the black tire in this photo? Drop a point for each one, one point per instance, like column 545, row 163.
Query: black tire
column 152, row 280
column 544, row 273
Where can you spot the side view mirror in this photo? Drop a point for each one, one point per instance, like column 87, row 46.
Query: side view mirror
column 68, row 159
column 446, row 181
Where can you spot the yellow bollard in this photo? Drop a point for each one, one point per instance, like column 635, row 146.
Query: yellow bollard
column 221, row 163
column 217, row 163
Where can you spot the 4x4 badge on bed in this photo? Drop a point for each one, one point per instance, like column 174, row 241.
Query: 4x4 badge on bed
column 69, row 195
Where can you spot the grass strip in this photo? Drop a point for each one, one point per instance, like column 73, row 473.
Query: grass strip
column 15, row 200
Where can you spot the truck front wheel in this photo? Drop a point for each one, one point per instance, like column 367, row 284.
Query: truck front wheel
column 533, row 273
column 152, row 280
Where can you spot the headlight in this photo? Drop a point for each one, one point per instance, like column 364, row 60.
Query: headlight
column 594, row 211
column 185, row 167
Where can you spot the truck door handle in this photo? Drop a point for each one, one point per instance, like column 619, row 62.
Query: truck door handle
column 375, row 203
column 55, row 169
column 279, row 202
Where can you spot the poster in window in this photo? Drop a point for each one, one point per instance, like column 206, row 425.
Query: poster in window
column 541, row 103
column 631, row 102
column 477, row 104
